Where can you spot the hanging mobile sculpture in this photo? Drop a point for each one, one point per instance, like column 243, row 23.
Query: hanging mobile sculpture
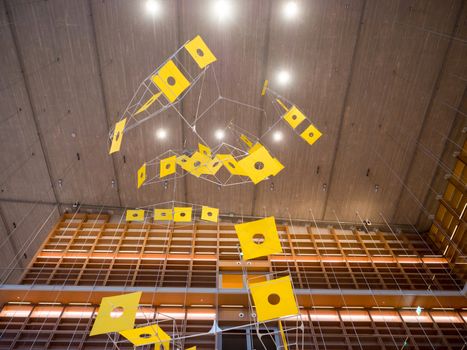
column 272, row 298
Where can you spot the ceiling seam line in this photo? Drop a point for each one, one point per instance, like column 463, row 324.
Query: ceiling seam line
column 104, row 99
column 344, row 105
column 14, row 248
column 19, row 56
column 439, row 169
column 427, row 112
column 182, row 124
column 264, row 74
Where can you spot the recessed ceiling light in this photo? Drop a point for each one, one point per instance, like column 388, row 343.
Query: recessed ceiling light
column 222, row 9
column 153, row 7
column 277, row 136
column 283, row 77
column 219, row 134
column 290, row 9
column 161, row 134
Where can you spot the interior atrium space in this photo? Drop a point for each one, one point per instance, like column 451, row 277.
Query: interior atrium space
column 233, row 174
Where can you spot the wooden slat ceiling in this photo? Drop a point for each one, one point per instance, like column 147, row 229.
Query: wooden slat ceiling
column 381, row 79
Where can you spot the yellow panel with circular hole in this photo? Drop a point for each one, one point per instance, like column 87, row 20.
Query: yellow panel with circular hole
column 200, row 162
column 152, row 334
column 118, row 136
column 259, row 165
column 163, row 214
column 209, row 214
column 200, row 52
column 213, row 166
column 311, row 134
column 185, row 163
column 274, row 299
column 182, row 214
column 231, row 164
column 258, row 238
column 141, row 175
column 171, row 81
column 167, row 166
column 116, row 313
column 135, row 215
column 294, row 117
column 204, row 149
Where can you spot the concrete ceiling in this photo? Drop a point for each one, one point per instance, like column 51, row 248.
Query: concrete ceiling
column 383, row 80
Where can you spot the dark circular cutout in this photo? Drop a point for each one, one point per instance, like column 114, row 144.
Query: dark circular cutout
column 167, row 166
column 184, row 160
column 231, row 164
column 142, row 175
column 274, row 299
column 215, row 164
column 171, row 81
column 311, row 134
column 182, row 214
column 117, row 136
column 163, row 214
column 258, row 238
column 116, row 312
column 209, row 213
column 197, row 163
column 200, row 52
column 135, row 215
column 259, row 165
column 145, row 335
column 294, row 116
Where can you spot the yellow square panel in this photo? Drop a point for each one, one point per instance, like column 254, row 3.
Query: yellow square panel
column 204, row 150
column 116, row 313
column 200, row 52
column 200, row 162
column 294, row 117
column 274, row 299
column 141, row 175
column 118, row 136
column 311, row 134
column 163, row 214
column 258, row 238
column 148, row 103
column 209, row 214
column 171, row 81
column 213, row 166
column 231, row 164
column 152, row 334
column 259, row 165
column 182, row 214
column 185, row 162
column 135, row 215
column 167, row 166
column 246, row 140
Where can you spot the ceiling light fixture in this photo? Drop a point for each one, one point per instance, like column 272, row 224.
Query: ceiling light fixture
column 290, row 9
column 222, row 9
column 153, row 7
column 277, row 136
column 219, row 134
column 283, row 77
column 161, row 134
